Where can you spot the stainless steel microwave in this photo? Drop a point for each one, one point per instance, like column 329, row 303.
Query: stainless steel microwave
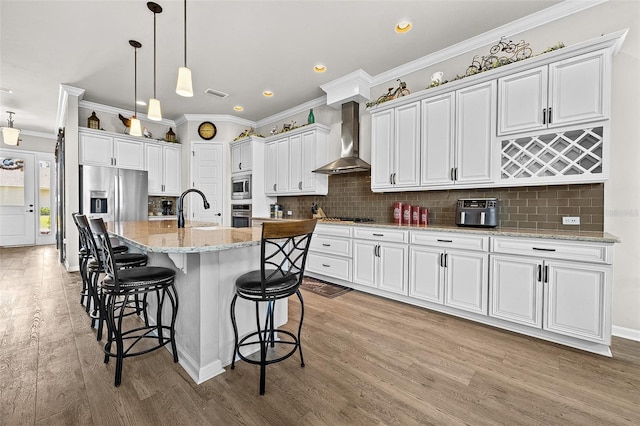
column 241, row 187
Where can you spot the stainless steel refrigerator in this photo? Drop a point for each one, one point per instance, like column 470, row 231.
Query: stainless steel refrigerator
column 115, row 195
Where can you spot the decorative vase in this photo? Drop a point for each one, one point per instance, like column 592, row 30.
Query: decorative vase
column 311, row 119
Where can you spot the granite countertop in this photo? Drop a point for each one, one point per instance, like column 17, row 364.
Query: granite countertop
column 163, row 236
column 554, row 234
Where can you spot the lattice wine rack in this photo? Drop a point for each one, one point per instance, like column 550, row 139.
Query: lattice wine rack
column 570, row 153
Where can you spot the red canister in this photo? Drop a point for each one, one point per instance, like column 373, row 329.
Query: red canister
column 397, row 212
column 424, row 216
column 406, row 214
column 415, row 214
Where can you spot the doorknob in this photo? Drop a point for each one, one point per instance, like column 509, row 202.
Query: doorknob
column 218, row 214
column 30, row 211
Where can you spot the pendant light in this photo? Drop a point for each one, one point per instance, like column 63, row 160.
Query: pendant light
column 155, row 112
column 135, row 129
column 10, row 134
column 184, row 87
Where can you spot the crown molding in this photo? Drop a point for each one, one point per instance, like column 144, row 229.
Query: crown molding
column 220, row 118
column 114, row 110
column 552, row 13
column 317, row 102
column 64, row 91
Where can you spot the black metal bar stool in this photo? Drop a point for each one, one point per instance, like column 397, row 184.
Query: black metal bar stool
column 118, row 288
column 283, row 254
column 84, row 256
column 95, row 266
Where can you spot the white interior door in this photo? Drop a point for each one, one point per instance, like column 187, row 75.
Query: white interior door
column 17, row 199
column 207, row 174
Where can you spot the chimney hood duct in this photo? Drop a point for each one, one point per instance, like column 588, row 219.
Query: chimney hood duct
column 349, row 162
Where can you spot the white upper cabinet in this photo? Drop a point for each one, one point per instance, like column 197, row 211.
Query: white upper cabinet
column 164, row 168
column 562, row 93
column 475, row 127
column 241, row 156
column 107, row 151
column 438, row 130
column 291, row 158
column 395, row 137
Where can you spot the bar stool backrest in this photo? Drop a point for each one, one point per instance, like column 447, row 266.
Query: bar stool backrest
column 99, row 230
column 84, row 244
column 284, row 249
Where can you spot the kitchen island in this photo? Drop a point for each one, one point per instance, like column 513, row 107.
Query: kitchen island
column 207, row 259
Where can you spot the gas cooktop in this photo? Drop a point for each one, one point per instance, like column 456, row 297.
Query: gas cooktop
column 347, row 219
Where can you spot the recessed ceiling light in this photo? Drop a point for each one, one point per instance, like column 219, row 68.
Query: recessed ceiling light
column 4, row 90
column 403, row 27
column 238, row 108
column 143, row 103
column 319, row 68
column 267, row 93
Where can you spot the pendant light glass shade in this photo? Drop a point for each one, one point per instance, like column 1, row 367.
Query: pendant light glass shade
column 184, row 86
column 10, row 135
column 136, row 128
column 155, row 111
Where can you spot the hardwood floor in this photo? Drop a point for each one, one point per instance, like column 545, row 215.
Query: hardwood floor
column 368, row 361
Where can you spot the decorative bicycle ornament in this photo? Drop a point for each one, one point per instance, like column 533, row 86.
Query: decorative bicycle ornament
column 399, row 91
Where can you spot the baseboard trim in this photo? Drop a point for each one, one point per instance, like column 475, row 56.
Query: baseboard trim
column 626, row 333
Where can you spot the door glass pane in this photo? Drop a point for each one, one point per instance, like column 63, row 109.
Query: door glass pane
column 44, row 196
column 11, row 181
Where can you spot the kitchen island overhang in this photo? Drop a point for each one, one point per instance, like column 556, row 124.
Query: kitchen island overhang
column 207, row 259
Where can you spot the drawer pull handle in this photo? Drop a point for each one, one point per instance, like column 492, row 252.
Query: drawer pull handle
column 378, row 235
column 326, row 266
column 445, row 241
column 326, row 245
column 543, row 249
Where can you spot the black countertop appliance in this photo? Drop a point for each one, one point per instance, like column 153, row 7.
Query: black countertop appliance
column 480, row 212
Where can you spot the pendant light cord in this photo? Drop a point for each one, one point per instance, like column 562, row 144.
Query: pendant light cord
column 135, row 82
column 154, row 55
column 185, row 33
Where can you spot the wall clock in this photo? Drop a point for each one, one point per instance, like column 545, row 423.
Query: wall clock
column 207, row 130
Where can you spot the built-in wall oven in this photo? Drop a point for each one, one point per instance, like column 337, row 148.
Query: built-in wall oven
column 241, row 187
column 240, row 215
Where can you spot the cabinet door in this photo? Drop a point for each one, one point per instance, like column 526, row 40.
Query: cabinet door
column 515, row 290
column 382, row 148
column 406, row 170
column 437, row 139
column 96, row 150
column 522, row 101
column 466, row 280
column 270, row 168
column 392, row 264
column 295, row 164
column 154, row 163
column 364, row 262
column 577, row 299
column 172, row 170
column 282, row 170
column 128, row 154
column 246, row 157
column 309, row 162
column 475, row 129
column 236, row 157
column 425, row 274
column 577, row 89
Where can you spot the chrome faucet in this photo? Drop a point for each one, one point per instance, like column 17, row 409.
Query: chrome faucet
column 181, row 199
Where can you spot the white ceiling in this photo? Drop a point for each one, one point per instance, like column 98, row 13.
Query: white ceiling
column 237, row 47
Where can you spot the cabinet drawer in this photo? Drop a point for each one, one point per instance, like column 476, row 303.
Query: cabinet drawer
column 458, row 241
column 381, row 234
column 335, row 230
column 331, row 245
column 336, row 267
column 568, row 250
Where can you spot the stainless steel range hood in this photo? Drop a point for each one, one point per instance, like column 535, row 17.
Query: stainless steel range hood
column 349, row 161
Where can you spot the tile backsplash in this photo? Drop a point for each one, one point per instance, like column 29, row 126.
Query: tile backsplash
column 532, row 207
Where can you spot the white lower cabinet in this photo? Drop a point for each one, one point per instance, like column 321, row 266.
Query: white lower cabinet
column 381, row 265
column 455, row 278
column 568, row 297
column 330, row 252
